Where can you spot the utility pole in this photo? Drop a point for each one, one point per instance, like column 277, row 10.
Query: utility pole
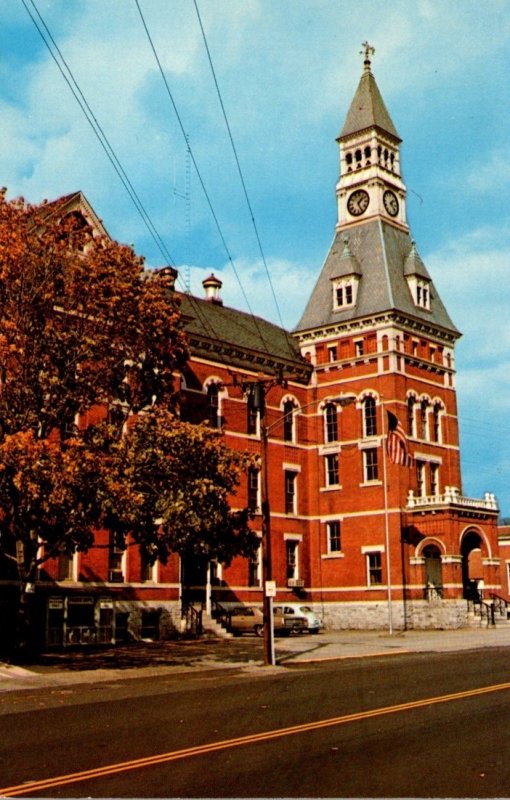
column 257, row 401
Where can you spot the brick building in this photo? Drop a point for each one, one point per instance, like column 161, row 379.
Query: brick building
column 368, row 542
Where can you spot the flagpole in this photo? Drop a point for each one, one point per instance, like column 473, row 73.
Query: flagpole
column 386, row 520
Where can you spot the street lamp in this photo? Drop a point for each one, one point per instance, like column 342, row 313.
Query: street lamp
column 258, row 397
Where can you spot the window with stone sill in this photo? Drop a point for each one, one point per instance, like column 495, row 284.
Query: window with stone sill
column 291, row 548
column 290, row 491
column 370, row 467
column 332, row 469
column 334, row 536
column 374, row 568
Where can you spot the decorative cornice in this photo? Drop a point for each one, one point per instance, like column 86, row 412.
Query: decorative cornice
column 230, row 352
column 377, row 321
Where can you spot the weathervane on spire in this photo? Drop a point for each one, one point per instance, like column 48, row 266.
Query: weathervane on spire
column 369, row 51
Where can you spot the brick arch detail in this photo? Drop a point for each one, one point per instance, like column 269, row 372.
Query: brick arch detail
column 483, row 539
column 289, row 398
column 214, row 379
column 368, row 393
column 428, row 541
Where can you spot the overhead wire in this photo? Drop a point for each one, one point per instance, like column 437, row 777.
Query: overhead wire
column 97, row 128
column 110, row 153
column 238, row 164
column 200, row 178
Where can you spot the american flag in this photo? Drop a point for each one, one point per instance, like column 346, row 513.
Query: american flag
column 396, row 445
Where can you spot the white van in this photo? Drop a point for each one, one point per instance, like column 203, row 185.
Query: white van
column 301, row 614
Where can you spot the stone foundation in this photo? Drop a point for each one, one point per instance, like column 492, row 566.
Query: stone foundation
column 419, row 615
column 167, row 613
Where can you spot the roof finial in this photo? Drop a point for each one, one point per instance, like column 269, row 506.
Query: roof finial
column 369, row 51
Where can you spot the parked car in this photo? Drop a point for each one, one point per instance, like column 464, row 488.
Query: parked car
column 250, row 619
column 303, row 617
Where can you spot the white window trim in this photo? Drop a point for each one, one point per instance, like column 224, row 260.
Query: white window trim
column 329, row 551
column 422, row 284
column 374, row 481
column 327, row 484
column 343, row 283
column 367, row 553
column 297, row 541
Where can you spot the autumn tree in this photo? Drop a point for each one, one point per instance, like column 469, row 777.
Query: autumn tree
column 168, row 484
column 89, row 341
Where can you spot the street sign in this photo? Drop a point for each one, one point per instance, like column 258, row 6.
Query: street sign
column 270, row 588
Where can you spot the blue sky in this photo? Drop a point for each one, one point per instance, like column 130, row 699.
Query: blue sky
column 287, row 71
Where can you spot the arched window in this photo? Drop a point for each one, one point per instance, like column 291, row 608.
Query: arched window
column 288, row 421
column 369, row 417
column 433, row 573
column 330, row 423
column 213, row 405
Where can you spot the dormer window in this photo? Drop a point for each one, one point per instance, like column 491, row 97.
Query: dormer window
column 420, row 290
column 344, row 292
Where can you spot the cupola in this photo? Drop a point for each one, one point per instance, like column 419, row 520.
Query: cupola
column 212, row 286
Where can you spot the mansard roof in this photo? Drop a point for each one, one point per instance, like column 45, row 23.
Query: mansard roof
column 368, row 109
column 239, row 339
column 382, row 251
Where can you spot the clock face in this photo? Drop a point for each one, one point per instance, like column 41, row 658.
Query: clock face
column 390, row 203
column 358, row 202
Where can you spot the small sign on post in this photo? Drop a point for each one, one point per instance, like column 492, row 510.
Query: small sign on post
column 270, row 588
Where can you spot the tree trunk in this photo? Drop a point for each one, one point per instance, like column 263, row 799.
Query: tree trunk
column 24, row 641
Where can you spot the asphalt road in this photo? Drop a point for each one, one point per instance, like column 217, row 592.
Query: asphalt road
column 349, row 737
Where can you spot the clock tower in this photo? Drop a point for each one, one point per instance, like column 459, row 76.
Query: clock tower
column 393, row 540
column 370, row 183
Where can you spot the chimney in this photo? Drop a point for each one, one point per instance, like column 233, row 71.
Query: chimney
column 212, row 286
column 168, row 276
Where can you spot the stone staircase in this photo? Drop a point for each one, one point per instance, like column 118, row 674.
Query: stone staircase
column 214, row 629
column 491, row 613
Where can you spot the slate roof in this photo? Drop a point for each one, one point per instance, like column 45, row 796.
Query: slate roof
column 368, row 110
column 241, row 339
column 382, row 252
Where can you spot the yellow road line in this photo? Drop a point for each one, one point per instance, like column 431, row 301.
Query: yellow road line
column 49, row 783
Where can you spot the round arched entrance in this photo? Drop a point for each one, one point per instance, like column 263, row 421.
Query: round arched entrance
column 433, row 572
column 472, row 569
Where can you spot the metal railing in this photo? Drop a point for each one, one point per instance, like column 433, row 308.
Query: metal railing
column 221, row 614
column 193, row 617
column 501, row 605
column 483, row 609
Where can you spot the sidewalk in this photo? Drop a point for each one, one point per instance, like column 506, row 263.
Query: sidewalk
column 158, row 658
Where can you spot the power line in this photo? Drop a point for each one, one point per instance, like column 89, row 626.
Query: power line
column 97, row 128
column 241, row 177
column 110, row 153
column 199, row 175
